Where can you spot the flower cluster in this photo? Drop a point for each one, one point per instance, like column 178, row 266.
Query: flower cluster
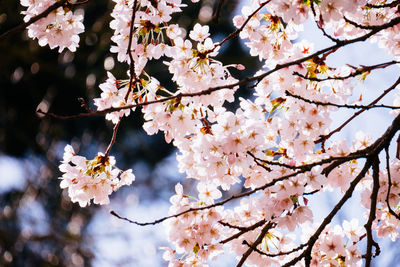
column 61, row 28
column 148, row 38
column 91, row 179
column 194, row 233
column 337, row 246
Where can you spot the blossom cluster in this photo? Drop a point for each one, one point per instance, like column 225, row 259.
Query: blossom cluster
column 149, row 37
column 61, row 28
column 91, row 179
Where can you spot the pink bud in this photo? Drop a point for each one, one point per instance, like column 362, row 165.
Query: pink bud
column 240, row 67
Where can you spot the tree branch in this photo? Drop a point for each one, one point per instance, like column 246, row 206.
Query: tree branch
column 372, row 213
column 132, row 73
column 391, row 211
column 243, row 230
column 277, row 254
column 319, row 103
column 259, row 239
column 392, row 4
column 114, row 136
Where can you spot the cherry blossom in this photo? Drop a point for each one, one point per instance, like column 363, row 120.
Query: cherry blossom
column 61, row 28
column 91, row 179
column 275, row 145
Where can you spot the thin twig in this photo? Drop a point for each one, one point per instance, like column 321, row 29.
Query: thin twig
column 283, row 253
column 160, row 100
column 236, row 33
column 364, row 27
column 398, row 147
column 114, row 136
column 392, row 4
column 259, row 239
column 240, row 228
column 132, row 73
column 319, row 103
column 243, row 231
column 307, row 167
column 320, row 26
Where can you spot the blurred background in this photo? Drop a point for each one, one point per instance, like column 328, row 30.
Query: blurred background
column 39, row 226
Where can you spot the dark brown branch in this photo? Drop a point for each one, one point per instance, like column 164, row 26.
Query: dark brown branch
column 319, row 103
column 114, row 136
column 276, row 163
column 261, row 163
column 391, row 211
column 259, row 239
column 68, row 117
column 44, row 14
column 335, row 161
column 303, row 169
column 392, row 4
column 283, row 253
column 132, row 73
column 240, row 228
column 243, row 231
column 311, row 193
column 372, row 213
column 398, row 148
column 320, row 25
column 360, row 26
